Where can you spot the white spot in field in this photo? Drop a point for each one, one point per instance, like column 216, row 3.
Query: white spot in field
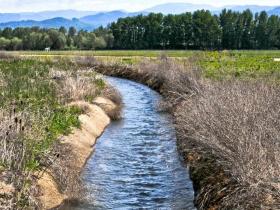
column 277, row 59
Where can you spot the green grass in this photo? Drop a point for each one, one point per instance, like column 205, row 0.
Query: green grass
column 240, row 64
column 214, row 64
column 26, row 83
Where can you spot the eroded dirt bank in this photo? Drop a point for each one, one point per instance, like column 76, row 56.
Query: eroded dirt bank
column 80, row 145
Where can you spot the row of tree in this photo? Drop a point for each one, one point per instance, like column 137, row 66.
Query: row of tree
column 57, row 39
column 198, row 30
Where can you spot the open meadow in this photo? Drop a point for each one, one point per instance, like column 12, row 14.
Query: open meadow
column 213, row 64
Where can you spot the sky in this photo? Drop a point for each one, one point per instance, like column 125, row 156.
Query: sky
column 107, row 5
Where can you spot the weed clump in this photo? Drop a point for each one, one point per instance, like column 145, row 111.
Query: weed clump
column 115, row 109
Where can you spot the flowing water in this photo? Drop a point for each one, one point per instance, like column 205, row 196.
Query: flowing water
column 136, row 164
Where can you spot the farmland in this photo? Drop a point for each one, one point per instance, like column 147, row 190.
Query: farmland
column 213, row 64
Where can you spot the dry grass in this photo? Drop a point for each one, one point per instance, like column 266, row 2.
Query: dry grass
column 239, row 123
column 113, row 95
column 85, row 61
column 75, row 86
column 172, row 80
column 235, row 121
column 6, row 56
column 3, row 83
column 233, row 124
column 67, row 175
column 16, row 150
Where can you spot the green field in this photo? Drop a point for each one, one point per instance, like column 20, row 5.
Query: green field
column 240, row 64
column 214, row 64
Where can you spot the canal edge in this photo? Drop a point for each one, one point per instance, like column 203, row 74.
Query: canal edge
column 82, row 143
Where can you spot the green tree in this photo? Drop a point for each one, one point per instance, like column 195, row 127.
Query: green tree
column 15, row 44
column 247, row 41
column 207, row 33
column 4, row 43
column 99, row 43
column 72, row 32
column 228, row 20
column 273, row 29
column 261, row 31
column 7, row 33
column 58, row 39
column 63, row 30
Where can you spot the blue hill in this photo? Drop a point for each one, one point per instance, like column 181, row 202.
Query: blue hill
column 104, row 18
column 50, row 23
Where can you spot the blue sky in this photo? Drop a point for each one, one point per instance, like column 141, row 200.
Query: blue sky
column 105, row 5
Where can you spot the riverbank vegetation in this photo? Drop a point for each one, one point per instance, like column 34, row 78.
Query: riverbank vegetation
column 34, row 114
column 227, row 127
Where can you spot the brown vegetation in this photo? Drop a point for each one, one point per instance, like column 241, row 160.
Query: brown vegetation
column 15, row 157
column 74, row 86
column 237, row 122
column 228, row 132
column 114, row 110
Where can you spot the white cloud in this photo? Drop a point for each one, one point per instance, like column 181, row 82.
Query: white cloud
column 106, row 5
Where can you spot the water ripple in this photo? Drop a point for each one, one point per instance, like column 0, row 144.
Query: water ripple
column 136, row 164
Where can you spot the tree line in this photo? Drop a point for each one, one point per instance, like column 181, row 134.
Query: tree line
column 198, row 30
column 36, row 38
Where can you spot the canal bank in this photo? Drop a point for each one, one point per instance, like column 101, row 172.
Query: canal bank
column 77, row 148
column 136, row 163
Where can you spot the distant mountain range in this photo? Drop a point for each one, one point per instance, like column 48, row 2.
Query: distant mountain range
column 275, row 11
column 88, row 20
column 39, row 16
column 50, row 23
column 253, row 8
column 104, row 18
column 177, row 8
